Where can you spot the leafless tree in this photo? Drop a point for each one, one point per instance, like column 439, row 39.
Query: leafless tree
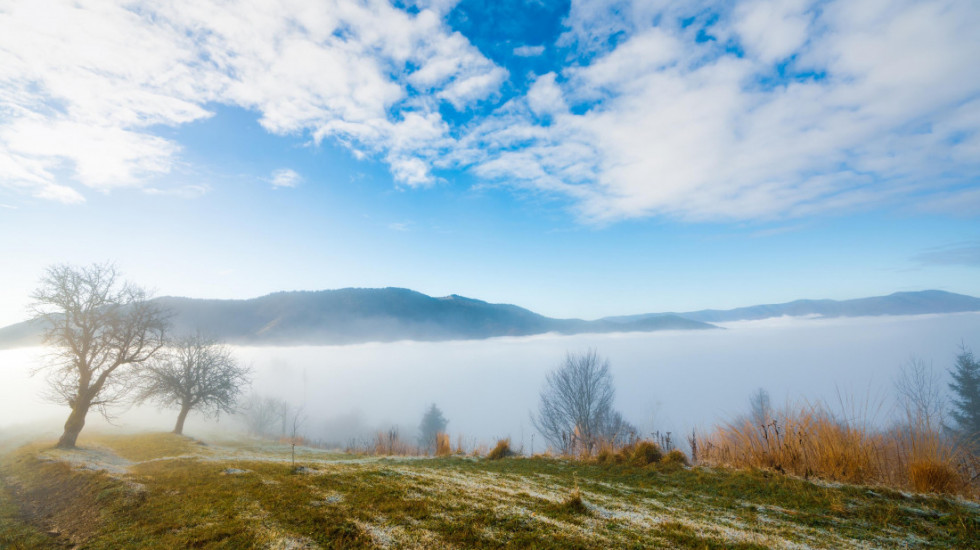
column 920, row 394
column 576, row 403
column 100, row 327
column 194, row 373
column 295, row 438
column 260, row 414
column 760, row 408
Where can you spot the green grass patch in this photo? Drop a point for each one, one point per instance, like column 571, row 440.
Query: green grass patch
column 252, row 497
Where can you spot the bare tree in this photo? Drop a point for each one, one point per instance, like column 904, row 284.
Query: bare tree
column 100, row 327
column 260, row 414
column 295, row 438
column 920, row 394
column 576, row 403
column 760, row 408
column 195, row 373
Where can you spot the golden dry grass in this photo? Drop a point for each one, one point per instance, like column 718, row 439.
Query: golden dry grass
column 810, row 441
column 501, row 450
column 443, row 448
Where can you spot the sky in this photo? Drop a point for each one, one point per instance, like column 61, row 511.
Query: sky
column 580, row 159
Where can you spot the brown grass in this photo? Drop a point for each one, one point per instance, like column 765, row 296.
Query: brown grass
column 638, row 453
column 390, row 443
column 674, row 458
column 443, row 448
column 502, row 450
column 810, row 441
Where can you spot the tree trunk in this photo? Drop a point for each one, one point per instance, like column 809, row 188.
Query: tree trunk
column 73, row 426
column 179, row 428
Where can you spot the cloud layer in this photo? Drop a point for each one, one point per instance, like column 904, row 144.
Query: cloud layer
column 689, row 110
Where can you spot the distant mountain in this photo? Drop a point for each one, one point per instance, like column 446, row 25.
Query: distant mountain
column 899, row 303
column 354, row 315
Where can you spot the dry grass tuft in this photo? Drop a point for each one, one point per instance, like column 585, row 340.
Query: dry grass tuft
column 674, row 458
column 443, row 448
column 638, row 453
column 644, row 453
column 502, row 450
column 929, row 476
column 390, row 443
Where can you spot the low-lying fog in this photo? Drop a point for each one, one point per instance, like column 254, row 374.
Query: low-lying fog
column 668, row 381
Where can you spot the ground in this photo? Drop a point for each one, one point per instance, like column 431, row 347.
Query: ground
column 166, row 491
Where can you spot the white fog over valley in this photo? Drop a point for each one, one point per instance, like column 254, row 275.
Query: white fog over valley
column 667, row 381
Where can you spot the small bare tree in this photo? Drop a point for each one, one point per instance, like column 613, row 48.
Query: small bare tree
column 576, row 403
column 920, row 394
column 260, row 414
column 100, row 327
column 760, row 408
column 195, row 373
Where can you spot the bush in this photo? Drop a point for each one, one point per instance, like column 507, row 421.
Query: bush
column 645, row 452
column 502, row 450
column 606, row 455
column 674, row 458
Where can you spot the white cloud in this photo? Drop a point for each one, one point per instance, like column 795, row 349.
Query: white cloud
column 84, row 83
column 528, row 51
column 285, row 177
column 831, row 105
column 192, row 191
column 687, row 129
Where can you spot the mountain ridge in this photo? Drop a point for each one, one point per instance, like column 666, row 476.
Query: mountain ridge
column 897, row 303
column 359, row 315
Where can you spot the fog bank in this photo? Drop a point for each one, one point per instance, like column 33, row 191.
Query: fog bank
column 670, row 380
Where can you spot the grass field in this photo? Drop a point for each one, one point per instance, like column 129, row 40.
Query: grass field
column 165, row 491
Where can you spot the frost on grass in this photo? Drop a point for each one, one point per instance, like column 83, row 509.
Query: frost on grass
column 423, row 503
column 95, row 459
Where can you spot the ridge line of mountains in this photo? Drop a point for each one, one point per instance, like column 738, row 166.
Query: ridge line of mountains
column 358, row 315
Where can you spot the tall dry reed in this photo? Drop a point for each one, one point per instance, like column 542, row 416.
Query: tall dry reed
column 810, row 441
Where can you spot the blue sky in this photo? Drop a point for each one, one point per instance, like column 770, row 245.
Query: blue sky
column 576, row 158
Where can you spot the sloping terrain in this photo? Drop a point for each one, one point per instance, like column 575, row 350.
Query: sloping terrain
column 164, row 491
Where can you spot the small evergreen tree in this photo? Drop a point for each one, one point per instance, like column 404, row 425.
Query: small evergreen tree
column 433, row 423
column 965, row 410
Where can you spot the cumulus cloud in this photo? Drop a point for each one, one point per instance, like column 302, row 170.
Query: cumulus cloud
column 285, row 177
column 85, row 83
column 694, row 110
column 761, row 110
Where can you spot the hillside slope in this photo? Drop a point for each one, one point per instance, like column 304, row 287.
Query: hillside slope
column 164, row 491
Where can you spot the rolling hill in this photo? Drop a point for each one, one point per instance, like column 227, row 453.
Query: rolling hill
column 899, row 303
column 354, row 315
